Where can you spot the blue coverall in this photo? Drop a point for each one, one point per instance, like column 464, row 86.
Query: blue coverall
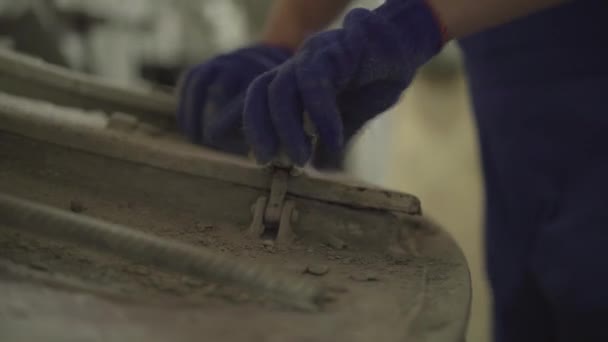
column 540, row 95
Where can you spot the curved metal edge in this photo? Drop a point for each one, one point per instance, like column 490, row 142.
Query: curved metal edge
column 34, row 73
column 448, row 318
column 190, row 159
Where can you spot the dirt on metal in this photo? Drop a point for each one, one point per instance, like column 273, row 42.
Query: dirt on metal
column 393, row 274
column 134, row 280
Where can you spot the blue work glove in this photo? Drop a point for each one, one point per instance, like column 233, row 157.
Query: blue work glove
column 211, row 96
column 341, row 79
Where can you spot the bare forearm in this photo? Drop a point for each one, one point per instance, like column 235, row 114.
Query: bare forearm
column 291, row 21
column 464, row 17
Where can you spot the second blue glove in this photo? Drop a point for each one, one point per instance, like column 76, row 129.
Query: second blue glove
column 341, row 78
column 211, row 95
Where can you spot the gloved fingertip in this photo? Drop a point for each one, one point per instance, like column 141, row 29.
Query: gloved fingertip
column 192, row 100
column 330, row 160
column 263, row 155
column 286, row 110
column 257, row 124
column 300, row 155
column 222, row 121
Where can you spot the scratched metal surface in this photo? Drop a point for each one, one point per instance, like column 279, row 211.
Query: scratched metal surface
column 399, row 276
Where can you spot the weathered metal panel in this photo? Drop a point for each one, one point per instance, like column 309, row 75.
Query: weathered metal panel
column 391, row 274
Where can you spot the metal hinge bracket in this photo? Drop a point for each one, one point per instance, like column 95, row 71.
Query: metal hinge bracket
column 272, row 214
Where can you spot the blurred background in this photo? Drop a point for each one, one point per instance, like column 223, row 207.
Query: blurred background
column 426, row 145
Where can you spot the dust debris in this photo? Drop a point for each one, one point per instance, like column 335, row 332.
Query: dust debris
column 269, row 246
column 84, row 260
column 38, row 266
column 203, row 227
column 363, row 277
column 191, row 282
column 139, row 270
column 77, row 206
column 317, row 270
column 336, row 243
column 23, row 245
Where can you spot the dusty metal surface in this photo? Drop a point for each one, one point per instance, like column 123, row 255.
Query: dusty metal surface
column 32, row 77
column 392, row 274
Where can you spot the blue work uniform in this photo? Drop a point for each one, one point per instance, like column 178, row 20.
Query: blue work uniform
column 540, row 95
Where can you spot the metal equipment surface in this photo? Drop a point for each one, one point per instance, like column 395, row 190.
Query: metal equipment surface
column 114, row 229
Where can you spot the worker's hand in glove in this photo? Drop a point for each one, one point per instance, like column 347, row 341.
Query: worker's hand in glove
column 211, row 95
column 341, row 79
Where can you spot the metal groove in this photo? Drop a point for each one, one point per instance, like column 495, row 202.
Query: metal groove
column 171, row 256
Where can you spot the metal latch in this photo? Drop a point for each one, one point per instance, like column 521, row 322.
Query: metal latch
column 273, row 215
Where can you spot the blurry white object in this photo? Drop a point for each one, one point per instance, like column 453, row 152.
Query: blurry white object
column 371, row 149
column 131, row 11
column 229, row 24
column 42, row 110
column 159, row 32
column 114, row 54
column 12, row 8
